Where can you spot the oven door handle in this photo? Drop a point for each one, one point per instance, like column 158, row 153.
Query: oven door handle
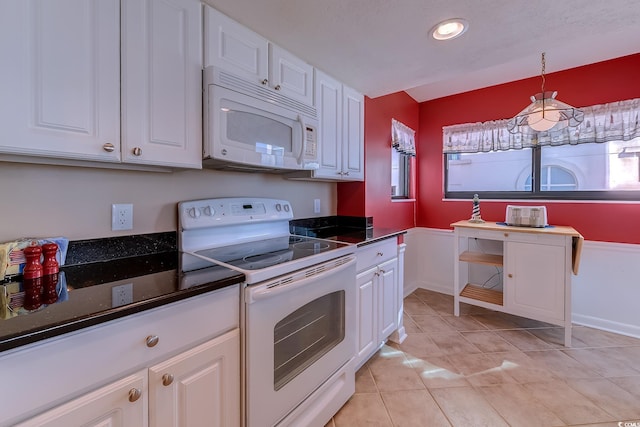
column 264, row 291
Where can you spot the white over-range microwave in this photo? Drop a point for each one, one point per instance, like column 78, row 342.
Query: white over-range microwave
column 248, row 126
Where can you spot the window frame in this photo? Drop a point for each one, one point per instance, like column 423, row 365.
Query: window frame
column 404, row 175
column 535, row 193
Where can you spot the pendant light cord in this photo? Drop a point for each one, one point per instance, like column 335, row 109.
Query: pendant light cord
column 543, row 79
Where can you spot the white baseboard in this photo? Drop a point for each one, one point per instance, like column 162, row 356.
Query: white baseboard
column 606, row 325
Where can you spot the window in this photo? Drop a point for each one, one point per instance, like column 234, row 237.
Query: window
column 400, row 174
column 604, row 171
column 597, row 160
column 403, row 149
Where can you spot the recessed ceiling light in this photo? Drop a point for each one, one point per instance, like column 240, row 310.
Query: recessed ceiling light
column 449, row 29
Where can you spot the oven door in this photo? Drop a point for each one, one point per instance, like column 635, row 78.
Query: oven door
column 300, row 330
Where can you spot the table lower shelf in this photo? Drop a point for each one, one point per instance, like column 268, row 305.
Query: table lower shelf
column 479, row 293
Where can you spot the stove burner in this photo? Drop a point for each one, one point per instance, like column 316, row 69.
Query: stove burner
column 312, row 246
column 295, row 239
column 264, row 259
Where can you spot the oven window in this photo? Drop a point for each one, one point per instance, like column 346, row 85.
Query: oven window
column 305, row 335
column 265, row 135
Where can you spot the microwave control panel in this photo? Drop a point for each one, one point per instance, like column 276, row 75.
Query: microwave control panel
column 311, row 143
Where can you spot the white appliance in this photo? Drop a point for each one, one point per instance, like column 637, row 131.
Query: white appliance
column 297, row 308
column 248, row 126
column 526, row 216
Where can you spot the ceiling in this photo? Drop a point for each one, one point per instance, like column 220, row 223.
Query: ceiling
column 380, row 47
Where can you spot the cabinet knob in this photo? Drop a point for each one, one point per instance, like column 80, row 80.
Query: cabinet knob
column 277, row 87
column 152, row 340
column 510, row 276
column 108, row 147
column 134, row 394
column 346, row 173
column 167, row 379
column 137, row 151
column 379, row 254
column 506, row 234
column 264, row 82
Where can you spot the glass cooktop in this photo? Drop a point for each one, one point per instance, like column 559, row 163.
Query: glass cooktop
column 269, row 252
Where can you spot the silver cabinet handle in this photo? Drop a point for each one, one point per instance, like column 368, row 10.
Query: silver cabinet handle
column 346, row 173
column 380, row 254
column 137, row 151
column 108, row 147
column 264, row 82
column 152, row 340
column 277, row 87
column 167, row 379
column 134, row 394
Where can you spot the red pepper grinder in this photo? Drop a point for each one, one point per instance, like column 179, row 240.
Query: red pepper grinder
column 50, row 269
column 32, row 278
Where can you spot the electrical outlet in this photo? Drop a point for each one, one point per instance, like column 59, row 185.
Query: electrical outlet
column 316, row 205
column 122, row 295
column 122, row 217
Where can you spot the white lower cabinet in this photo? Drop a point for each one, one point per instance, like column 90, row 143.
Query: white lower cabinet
column 199, row 387
column 377, row 299
column 118, row 404
column 176, row 365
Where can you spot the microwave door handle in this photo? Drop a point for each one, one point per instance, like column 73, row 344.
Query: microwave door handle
column 303, row 145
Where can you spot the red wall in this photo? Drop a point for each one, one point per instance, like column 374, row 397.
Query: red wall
column 373, row 196
column 599, row 83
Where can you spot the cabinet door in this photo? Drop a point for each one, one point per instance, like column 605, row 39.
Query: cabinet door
column 387, row 282
column 120, row 404
column 290, row 75
column 235, row 48
column 534, row 280
column 353, row 135
column 200, row 387
column 367, row 336
column 328, row 97
column 60, row 79
column 162, row 82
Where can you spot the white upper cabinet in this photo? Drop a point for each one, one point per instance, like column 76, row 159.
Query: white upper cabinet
column 243, row 53
column 234, row 48
column 70, row 97
column 60, row 79
column 162, row 82
column 290, row 75
column 341, row 133
column 352, row 134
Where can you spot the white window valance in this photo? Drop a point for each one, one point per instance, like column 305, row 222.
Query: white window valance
column 616, row 121
column 403, row 138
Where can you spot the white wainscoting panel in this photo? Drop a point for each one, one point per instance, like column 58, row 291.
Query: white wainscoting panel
column 605, row 293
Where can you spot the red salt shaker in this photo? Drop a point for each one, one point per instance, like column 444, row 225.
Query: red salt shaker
column 50, row 269
column 32, row 278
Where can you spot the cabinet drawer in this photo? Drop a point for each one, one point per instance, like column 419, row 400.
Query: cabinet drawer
column 541, row 238
column 375, row 253
column 76, row 363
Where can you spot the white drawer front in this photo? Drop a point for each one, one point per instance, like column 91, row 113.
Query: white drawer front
column 375, row 253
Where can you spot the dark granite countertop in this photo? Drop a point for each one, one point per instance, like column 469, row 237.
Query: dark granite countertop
column 84, row 295
column 356, row 230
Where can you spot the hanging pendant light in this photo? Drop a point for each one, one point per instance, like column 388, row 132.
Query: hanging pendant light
column 545, row 112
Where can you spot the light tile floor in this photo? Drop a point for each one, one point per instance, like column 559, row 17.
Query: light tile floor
column 486, row 368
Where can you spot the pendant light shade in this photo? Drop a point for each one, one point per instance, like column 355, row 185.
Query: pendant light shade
column 545, row 113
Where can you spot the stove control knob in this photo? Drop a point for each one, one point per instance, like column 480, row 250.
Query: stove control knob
column 193, row 212
column 286, row 208
column 208, row 211
column 278, row 207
